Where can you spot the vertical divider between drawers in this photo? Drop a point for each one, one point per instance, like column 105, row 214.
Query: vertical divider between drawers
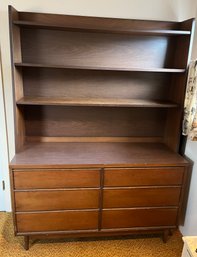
column 101, row 198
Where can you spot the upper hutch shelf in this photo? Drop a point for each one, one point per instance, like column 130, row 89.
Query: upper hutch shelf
column 153, row 32
column 96, row 102
column 39, row 65
column 66, row 67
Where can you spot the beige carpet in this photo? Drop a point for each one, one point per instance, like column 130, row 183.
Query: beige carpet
column 125, row 247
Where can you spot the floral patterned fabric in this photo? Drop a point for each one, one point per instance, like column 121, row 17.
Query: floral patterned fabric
column 190, row 105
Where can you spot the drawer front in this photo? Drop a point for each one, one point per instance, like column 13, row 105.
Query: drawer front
column 139, row 218
column 57, row 221
column 143, row 177
column 56, row 200
column 30, row 179
column 141, row 197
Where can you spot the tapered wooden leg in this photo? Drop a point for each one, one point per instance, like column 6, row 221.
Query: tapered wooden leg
column 26, row 242
column 165, row 235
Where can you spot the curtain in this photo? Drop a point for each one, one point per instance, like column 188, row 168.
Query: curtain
column 190, row 105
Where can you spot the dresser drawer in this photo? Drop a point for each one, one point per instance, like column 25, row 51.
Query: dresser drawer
column 143, row 176
column 33, row 179
column 139, row 218
column 56, row 200
column 136, row 197
column 57, row 221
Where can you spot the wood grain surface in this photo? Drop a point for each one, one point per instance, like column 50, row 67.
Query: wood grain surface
column 57, row 200
column 96, row 155
column 48, row 179
column 54, row 221
column 149, row 217
column 141, row 197
column 144, row 176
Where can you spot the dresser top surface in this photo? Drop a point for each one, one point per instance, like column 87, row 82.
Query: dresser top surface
column 96, row 155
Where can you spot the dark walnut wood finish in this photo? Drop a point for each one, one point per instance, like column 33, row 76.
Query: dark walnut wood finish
column 98, row 104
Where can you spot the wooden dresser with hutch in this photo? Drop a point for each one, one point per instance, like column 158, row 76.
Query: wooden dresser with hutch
column 98, row 105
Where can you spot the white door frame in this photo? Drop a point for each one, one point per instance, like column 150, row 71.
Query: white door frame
column 4, row 155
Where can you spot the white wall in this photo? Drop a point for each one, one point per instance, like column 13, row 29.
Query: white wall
column 176, row 10
column 186, row 9
column 190, row 226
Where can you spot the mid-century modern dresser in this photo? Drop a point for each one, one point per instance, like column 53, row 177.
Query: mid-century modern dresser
column 98, row 105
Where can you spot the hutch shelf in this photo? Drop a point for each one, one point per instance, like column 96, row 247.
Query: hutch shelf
column 98, row 105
